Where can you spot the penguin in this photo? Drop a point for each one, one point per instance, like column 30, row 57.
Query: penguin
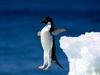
column 48, row 43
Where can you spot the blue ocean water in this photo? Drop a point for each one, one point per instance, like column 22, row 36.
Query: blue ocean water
column 20, row 48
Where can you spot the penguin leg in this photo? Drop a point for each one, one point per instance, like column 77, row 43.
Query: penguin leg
column 45, row 62
column 48, row 60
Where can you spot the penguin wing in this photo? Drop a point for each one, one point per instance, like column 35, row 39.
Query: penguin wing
column 58, row 31
column 38, row 33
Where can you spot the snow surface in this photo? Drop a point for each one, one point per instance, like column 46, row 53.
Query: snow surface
column 83, row 53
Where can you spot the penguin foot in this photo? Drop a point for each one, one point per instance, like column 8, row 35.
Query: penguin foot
column 41, row 67
column 46, row 68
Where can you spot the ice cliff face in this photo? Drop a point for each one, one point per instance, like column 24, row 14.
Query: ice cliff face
column 83, row 53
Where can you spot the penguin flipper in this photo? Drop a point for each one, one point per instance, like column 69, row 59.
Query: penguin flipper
column 58, row 31
column 38, row 33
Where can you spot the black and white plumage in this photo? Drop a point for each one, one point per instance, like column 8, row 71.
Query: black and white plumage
column 48, row 42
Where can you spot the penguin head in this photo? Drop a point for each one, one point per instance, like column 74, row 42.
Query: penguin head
column 47, row 20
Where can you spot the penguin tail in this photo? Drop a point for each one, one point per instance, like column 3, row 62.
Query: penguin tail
column 56, row 61
column 54, row 58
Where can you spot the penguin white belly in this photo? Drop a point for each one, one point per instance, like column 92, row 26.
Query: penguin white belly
column 46, row 41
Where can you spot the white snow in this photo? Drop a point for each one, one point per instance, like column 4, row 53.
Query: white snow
column 83, row 53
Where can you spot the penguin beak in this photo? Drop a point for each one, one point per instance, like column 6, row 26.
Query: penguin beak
column 44, row 21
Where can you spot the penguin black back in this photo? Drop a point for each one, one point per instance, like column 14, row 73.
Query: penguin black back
column 53, row 56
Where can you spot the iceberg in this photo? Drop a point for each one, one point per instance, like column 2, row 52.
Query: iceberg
column 83, row 53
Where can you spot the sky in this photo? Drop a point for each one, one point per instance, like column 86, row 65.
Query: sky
column 48, row 5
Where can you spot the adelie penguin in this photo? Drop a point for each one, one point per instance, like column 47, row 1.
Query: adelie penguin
column 48, row 43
